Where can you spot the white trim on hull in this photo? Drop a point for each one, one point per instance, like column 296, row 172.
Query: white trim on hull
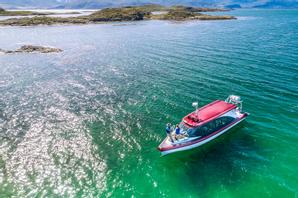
column 202, row 142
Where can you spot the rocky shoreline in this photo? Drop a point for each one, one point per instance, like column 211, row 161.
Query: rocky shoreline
column 131, row 13
column 31, row 49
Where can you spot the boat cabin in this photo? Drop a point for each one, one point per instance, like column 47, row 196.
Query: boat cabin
column 208, row 119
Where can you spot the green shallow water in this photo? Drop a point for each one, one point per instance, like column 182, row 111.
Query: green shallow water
column 86, row 122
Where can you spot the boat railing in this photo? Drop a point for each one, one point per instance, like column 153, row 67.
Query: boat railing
column 236, row 100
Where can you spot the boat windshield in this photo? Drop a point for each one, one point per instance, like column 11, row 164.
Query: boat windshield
column 185, row 128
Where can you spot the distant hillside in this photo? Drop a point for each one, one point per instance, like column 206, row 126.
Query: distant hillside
column 79, row 4
column 279, row 4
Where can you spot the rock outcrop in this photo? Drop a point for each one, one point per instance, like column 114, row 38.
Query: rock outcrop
column 31, row 49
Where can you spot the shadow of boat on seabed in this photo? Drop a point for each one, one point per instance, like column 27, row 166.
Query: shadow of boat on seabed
column 218, row 146
column 226, row 159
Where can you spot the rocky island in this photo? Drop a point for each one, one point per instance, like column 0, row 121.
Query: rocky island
column 130, row 13
column 31, row 49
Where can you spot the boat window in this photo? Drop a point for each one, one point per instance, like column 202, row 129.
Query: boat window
column 185, row 128
column 212, row 126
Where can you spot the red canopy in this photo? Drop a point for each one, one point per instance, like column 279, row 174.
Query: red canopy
column 208, row 112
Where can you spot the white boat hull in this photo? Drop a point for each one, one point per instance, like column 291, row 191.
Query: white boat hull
column 200, row 143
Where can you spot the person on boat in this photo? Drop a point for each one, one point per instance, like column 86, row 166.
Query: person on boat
column 177, row 131
column 168, row 131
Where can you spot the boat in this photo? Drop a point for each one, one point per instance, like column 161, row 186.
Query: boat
column 204, row 124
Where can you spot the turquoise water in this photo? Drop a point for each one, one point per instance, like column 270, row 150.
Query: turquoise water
column 86, row 122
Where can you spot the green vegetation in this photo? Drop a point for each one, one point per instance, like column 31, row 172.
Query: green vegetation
column 148, row 8
column 131, row 13
column 4, row 12
column 196, row 9
column 180, row 13
column 119, row 14
column 42, row 21
column 210, row 17
column 18, row 13
column 176, row 15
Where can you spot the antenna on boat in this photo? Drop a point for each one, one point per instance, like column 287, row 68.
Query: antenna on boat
column 236, row 100
column 196, row 105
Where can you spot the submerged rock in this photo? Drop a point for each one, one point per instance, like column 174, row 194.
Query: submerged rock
column 32, row 48
column 41, row 49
